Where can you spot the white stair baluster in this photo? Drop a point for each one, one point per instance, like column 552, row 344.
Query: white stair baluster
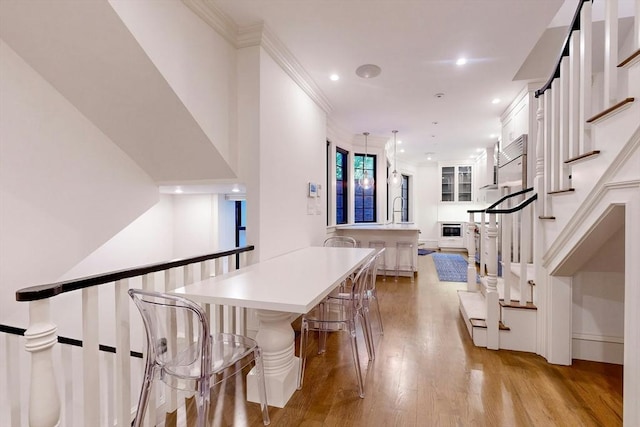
column 610, row 53
column 586, row 57
column 563, row 181
column 123, row 354
column 471, row 250
column 574, row 96
column 152, row 406
column 90, row 356
column 507, row 231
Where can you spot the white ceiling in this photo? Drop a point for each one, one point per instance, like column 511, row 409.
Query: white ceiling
column 416, row 43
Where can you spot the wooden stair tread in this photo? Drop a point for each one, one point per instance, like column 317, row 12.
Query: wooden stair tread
column 584, row 156
column 631, row 58
column 624, row 103
column 564, row 191
column 518, row 305
column 482, row 323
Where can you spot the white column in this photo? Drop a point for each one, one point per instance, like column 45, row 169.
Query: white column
column 548, row 122
column 90, row 356
column 559, row 309
column 277, row 340
column 492, row 298
column 631, row 380
column 610, row 53
column 44, row 402
column 554, row 140
column 471, row 250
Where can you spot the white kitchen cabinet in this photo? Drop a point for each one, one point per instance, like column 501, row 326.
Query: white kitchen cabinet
column 456, row 183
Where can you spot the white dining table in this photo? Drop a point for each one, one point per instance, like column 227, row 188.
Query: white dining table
column 294, row 282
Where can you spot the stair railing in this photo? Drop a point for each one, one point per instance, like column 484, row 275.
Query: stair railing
column 489, row 248
column 525, row 246
column 566, row 102
column 40, row 339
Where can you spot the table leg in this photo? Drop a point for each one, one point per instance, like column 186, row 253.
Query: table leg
column 277, row 340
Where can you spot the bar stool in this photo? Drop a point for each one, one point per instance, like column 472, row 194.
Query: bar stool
column 404, row 249
column 382, row 261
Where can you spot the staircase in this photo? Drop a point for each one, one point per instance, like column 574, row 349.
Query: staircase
column 582, row 159
column 586, row 191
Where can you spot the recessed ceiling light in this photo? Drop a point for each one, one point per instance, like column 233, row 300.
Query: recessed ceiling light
column 461, row 61
column 428, row 157
column 493, row 135
column 399, row 142
column 368, row 71
column 402, row 150
column 439, row 95
column 334, row 77
column 479, row 149
column 435, row 123
column 495, row 100
column 178, row 190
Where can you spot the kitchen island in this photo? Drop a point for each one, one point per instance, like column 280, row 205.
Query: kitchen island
column 388, row 233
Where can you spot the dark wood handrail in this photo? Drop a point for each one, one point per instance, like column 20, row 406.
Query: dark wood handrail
column 516, row 208
column 575, row 25
column 38, row 292
column 64, row 340
column 508, row 196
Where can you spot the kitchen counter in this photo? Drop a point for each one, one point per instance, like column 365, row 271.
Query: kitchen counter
column 390, row 234
column 382, row 227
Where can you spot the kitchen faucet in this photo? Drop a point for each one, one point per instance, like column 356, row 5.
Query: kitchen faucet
column 393, row 206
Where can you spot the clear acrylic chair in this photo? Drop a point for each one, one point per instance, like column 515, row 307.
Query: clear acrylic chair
column 182, row 352
column 370, row 296
column 339, row 315
column 340, row 242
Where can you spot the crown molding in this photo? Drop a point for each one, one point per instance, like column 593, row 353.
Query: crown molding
column 259, row 35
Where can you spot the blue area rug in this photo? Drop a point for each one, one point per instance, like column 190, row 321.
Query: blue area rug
column 450, row 267
column 425, row 251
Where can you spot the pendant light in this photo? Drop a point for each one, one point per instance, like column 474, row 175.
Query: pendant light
column 395, row 178
column 366, row 181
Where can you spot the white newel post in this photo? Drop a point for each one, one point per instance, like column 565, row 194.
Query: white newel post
column 471, row 249
column 44, row 402
column 538, row 183
column 493, row 304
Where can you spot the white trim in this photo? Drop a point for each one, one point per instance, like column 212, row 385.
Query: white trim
column 259, row 35
column 599, row 338
column 598, row 193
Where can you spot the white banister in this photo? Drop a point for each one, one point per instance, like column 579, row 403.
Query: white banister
column 12, row 367
column 554, row 144
column 586, row 57
column 492, row 299
column 482, row 246
column 40, row 337
column 149, row 285
column 563, row 181
column 538, row 182
column 471, row 250
column 610, row 53
column 525, row 250
column 91, row 356
column 123, row 354
column 574, row 96
column 506, row 226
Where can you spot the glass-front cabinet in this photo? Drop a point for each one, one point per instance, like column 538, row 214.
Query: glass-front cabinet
column 456, row 183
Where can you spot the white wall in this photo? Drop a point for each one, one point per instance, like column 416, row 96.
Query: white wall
column 427, row 196
column 65, row 188
column 195, row 60
column 598, row 304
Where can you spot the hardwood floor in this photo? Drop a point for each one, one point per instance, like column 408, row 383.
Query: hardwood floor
column 428, row 373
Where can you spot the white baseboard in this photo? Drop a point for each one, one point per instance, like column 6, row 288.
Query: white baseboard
column 598, row 348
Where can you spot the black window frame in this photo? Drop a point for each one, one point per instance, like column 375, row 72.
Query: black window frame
column 359, row 192
column 404, row 192
column 342, row 197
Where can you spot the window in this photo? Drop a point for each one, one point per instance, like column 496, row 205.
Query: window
column 241, row 226
column 365, row 199
column 456, row 184
column 342, row 186
column 405, row 198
